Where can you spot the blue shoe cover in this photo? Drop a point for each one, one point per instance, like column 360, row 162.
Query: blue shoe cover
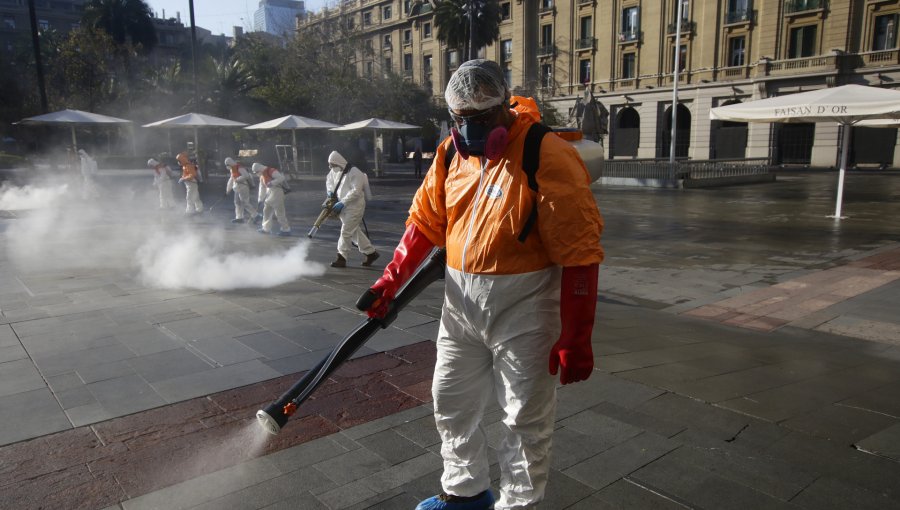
column 484, row 501
column 261, row 231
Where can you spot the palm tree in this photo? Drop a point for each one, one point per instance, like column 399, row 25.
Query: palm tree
column 453, row 23
column 124, row 20
column 233, row 82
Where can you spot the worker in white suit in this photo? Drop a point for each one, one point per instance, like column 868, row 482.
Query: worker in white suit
column 162, row 180
column 271, row 194
column 239, row 181
column 351, row 187
column 88, row 172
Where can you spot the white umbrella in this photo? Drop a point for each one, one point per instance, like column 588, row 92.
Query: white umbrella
column 375, row 125
column 73, row 118
column 846, row 105
column 293, row 122
column 195, row 121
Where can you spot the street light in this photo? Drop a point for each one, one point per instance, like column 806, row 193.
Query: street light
column 677, row 59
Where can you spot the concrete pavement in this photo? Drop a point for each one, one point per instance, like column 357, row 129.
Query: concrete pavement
column 745, row 344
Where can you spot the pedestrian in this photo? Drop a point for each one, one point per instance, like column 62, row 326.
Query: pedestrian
column 271, row 194
column 88, row 172
column 239, row 181
column 190, row 177
column 417, row 161
column 351, row 187
column 162, row 180
column 519, row 301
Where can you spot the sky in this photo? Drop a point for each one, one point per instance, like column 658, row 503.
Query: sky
column 217, row 16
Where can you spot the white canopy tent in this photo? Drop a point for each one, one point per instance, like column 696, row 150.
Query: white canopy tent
column 73, row 118
column 195, row 121
column 375, row 125
column 847, row 105
column 294, row 123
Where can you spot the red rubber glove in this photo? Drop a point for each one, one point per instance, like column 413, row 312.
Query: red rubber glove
column 578, row 300
column 410, row 253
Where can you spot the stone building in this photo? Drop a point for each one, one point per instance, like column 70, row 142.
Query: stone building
column 623, row 51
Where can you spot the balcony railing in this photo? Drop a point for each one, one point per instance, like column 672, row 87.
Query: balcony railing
column 546, row 9
column 739, row 16
column 801, row 65
column 734, row 73
column 625, row 37
column 506, row 56
column 687, row 27
column 547, row 50
column 407, row 73
column 881, row 58
column 585, row 43
column 792, row 6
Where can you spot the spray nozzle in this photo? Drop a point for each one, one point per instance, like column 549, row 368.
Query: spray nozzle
column 290, row 408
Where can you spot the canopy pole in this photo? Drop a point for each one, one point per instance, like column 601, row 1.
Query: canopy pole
column 375, row 150
column 294, row 146
column 845, row 155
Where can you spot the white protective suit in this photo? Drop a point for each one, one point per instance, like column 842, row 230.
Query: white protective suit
column 353, row 193
column 88, row 172
column 162, row 180
column 239, row 181
column 271, row 194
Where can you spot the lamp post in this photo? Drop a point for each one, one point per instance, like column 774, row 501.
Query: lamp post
column 675, row 86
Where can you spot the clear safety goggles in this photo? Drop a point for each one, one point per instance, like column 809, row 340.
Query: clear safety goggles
column 484, row 118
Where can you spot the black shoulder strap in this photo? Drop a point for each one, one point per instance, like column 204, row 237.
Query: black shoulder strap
column 448, row 156
column 531, row 161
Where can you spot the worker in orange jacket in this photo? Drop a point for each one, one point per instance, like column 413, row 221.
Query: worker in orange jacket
column 190, row 176
column 516, row 312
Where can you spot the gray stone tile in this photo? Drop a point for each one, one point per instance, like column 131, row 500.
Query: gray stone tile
column 298, row 363
column 828, row 492
column 168, row 365
column 391, row 338
column 352, row 466
column 94, row 373
column 44, row 416
column 885, row 443
column 223, row 351
column 387, row 501
column 422, row 432
column 655, row 424
column 12, row 353
column 75, row 397
column 346, row 495
column 403, row 472
column 55, row 364
column 19, row 376
column 293, row 486
column 625, row 494
column 610, row 465
column 88, row 414
column 571, row 447
column 563, row 492
column 705, row 418
column 271, row 345
column 393, row 420
column 205, row 488
column 391, row 446
column 125, row 395
column 65, row 381
column 312, row 337
column 307, row 454
column 844, row 425
column 198, row 328
column 592, row 423
column 148, row 341
column 206, row 382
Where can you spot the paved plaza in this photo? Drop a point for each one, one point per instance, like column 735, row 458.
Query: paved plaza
column 747, row 354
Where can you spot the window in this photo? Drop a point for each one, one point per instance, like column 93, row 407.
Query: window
column 387, row 41
column 682, row 57
column 388, row 65
column 407, row 5
column 426, row 64
column 546, row 35
column 736, row 51
column 628, row 69
column 43, row 24
column 630, row 24
column 738, row 10
column 546, row 5
column 426, row 30
column 584, row 71
column 407, row 36
column 407, row 62
column 587, row 27
column 802, row 42
column 9, row 21
column 506, row 50
column 369, row 44
column 885, row 36
column 546, row 75
column 367, row 18
column 505, row 11
column 370, row 69
column 507, row 75
column 350, row 23
column 386, row 12
column 452, row 59
column 685, row 15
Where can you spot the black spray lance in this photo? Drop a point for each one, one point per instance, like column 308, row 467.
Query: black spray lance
column 276, row 414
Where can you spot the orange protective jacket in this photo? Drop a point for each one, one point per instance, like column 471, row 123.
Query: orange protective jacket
column 478, row 215
column 188, row 169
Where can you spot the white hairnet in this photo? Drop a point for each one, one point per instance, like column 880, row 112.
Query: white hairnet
column 258, row 167
column 476, row 85
column 229, row 162
column 335, row 158
column 152, row 162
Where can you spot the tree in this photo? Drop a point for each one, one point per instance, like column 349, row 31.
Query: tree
column 127, row 21
column 453, row 24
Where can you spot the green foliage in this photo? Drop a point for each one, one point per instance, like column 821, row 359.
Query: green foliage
column 127, row 21
column 452, row 20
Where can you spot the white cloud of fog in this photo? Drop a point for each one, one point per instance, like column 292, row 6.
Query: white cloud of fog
column 122, row 231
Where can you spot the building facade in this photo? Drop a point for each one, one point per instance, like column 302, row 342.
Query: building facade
column 277, row 17
column 623, row 52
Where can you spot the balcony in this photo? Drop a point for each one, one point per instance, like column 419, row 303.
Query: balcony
column 739, row 16
column 547, row 50
column 506, row 56
column 629, row 37
column 822, row 63
column 585, row 43
column 794, row 6
column 687, row 27
column 546, row 7
column 408, row 73
column 734, row 73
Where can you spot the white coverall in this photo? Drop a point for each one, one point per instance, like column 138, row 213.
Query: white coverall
column 353, row 192
column 88, row 171
column 190, row 176
column 271, row 194
column 239, row 181
column 162, row 180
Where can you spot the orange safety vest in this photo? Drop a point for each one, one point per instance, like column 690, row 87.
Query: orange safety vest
column 266, row 175
column 478, row 216
column 189, row 171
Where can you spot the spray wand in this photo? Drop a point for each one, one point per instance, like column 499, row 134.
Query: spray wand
column 276, row 414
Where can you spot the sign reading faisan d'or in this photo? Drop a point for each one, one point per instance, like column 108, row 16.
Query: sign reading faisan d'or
column 811, row 110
